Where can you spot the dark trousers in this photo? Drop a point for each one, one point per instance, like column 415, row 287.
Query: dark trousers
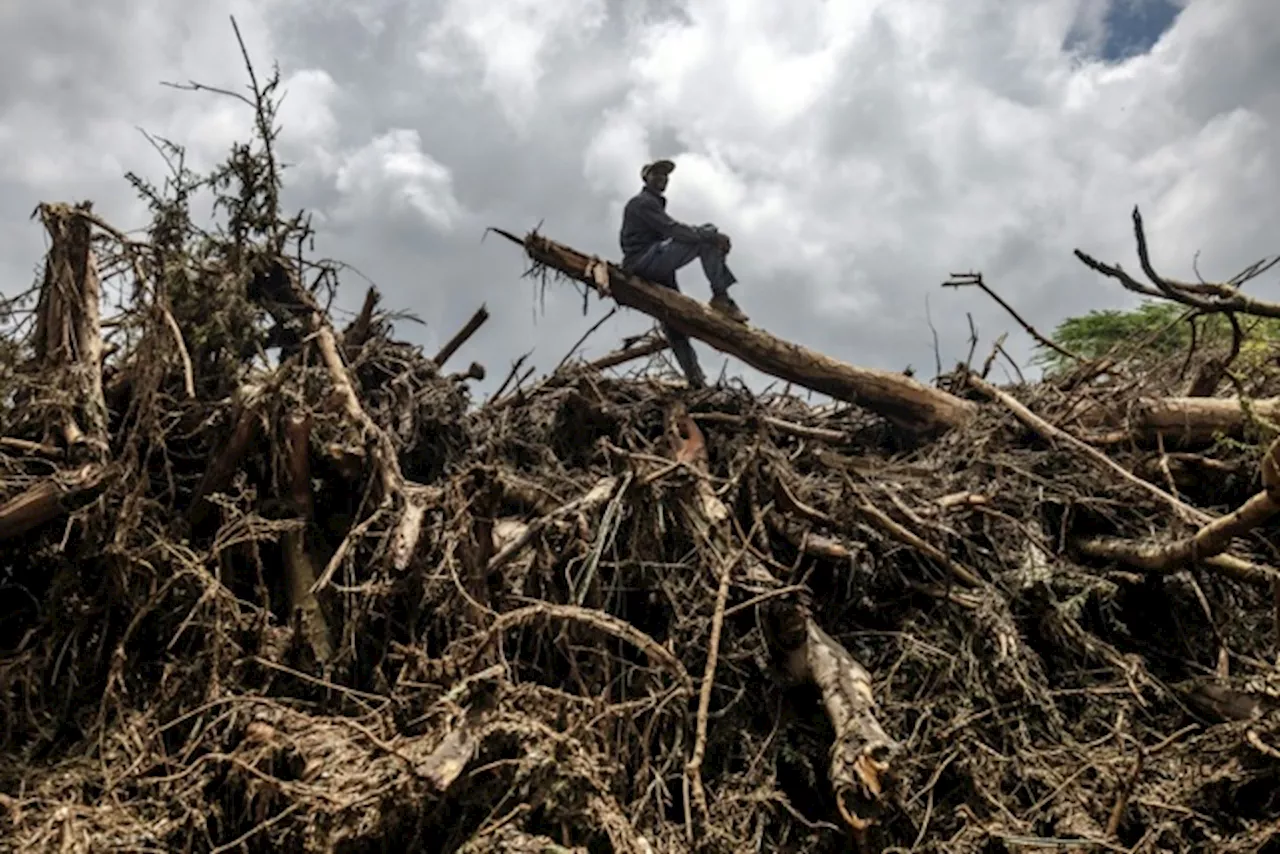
column 659, row 264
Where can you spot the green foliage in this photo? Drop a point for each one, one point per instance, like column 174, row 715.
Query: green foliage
column 1154, row 330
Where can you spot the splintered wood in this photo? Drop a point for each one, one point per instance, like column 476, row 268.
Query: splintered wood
column 863, row 752
column 68, row 337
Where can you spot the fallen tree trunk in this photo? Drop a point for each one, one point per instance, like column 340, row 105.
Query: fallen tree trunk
column 862, row 752
column 1177, row 421
column 1200, row 418
column 896, row 396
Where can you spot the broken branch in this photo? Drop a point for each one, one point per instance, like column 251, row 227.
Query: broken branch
column 460, row 337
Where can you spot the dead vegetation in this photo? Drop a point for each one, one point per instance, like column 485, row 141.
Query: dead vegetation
column 330, row 604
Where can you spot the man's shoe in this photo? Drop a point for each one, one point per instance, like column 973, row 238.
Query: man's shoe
column 724, row 304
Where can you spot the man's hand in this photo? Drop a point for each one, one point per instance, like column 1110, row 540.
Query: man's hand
column 722, row 240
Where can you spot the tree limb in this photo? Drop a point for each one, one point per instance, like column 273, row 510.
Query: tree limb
column 1208, row 542
column 895, row 396
column 1207, row 297
column 962, row 280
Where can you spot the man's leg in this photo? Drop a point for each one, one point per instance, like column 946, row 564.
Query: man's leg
column 659, row 266
column 682, row 348
column 661, row 263
column 721, row 279
column 716, row 269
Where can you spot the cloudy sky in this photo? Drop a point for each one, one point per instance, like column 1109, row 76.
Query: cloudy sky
column 858, row 151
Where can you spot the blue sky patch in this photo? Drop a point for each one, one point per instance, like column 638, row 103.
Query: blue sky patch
column 1131, row 28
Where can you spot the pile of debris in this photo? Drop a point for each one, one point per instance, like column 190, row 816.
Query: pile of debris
column 331, row 604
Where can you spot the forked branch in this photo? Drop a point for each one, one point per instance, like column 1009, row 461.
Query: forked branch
column 1207, row 297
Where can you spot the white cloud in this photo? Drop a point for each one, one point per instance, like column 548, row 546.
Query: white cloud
column 306, row 106
column 393, row 172
column 511, row 40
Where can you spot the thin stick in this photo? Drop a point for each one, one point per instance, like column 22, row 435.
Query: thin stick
column 27, row 447
column 961, row 572
column 1207, row 297
column 627, row 354
column 1052, row 434
column 822, row 434
column 584, row 337
column 477, row 320
column 694, row 767
column 1122, row 800
column 964, row 280
column 515, row 370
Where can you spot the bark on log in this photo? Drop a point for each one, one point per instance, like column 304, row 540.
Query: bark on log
column 1199, row 419
column 862, row 752
column 1177, row 421
column 68, row 333
column 897, row 397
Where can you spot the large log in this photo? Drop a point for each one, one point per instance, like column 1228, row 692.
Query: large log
column 1200, row 418
column 895, row 396
column 1177, row 421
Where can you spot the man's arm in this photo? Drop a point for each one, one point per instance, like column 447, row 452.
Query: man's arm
column 649, row 212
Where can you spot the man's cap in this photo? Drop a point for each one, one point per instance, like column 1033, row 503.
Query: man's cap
column 666, row 166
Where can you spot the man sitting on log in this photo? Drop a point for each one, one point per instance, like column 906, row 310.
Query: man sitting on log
column 655, row 246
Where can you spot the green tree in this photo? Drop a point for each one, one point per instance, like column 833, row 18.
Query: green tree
column 1154, row 330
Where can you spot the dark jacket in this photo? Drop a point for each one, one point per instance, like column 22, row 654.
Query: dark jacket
column 645, row 221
